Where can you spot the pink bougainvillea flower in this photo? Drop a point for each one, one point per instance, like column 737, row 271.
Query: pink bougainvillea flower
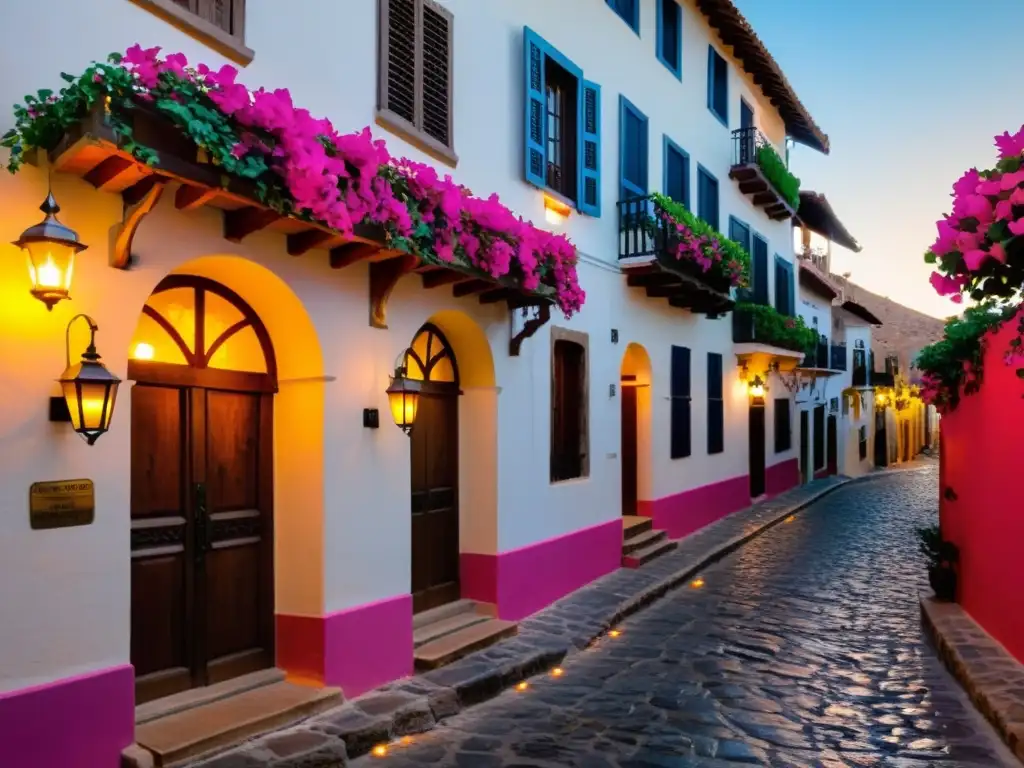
column 1010, row 146
column 974, row 258
column 1011, row 180
column 1004, row 210
column 968, row 241
column 998, row 252
column 966, row 184
column 974, row 206
column 1017, row 227
column 946, row 241
column 947, row 286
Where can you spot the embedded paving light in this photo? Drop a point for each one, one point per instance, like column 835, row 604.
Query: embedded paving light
column 791, row 518
column 50, row 248
column 614, row 633
column 403, row 396
column 697, row 583
column 557, row 672
column 89, row 388
column 381, row 750
column 522, row 686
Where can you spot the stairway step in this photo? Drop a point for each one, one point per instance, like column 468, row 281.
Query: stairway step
column 198, row 697
column 644, row 540
column 642, row 556
column 445, row 627
column 452, row 647
column 227, row 722
column 442, row 612
column 634, row 525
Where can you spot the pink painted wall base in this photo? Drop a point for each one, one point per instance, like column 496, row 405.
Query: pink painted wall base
column 522, row 581
column 357, row 649
column 689, row 511
column 79, row 722
column 782, row 476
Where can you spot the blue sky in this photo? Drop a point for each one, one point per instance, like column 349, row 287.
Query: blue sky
column 911, row 93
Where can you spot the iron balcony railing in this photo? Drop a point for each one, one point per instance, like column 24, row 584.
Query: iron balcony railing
column 819, row 260
column 860, row 375
column 641, row 232
column 745, row 144
column 838, row 356
column 817, row 356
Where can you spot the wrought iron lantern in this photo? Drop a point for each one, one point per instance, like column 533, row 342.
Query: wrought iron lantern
column 50, row 248
column 756, row 387
column 89, row 389
column 403, row 396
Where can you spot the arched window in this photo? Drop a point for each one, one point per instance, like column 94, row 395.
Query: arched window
column 430, row 359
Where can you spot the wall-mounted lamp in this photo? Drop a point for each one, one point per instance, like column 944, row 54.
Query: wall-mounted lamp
column 90, row 390
column 50, row 248
column 555, row 211
column 756, row 387
column 403, row 396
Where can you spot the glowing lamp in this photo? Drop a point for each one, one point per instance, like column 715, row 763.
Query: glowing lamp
column 756, row 387
column 50, row 249
column 143, row 351
column 89, row 388
column 555, row 211
column 403, row 397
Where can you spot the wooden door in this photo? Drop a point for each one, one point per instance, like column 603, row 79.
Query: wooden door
column 435, row 510
column 629, row 448
column 881, row 440
column 833, row 445
column 805, row 447
column 757, row 448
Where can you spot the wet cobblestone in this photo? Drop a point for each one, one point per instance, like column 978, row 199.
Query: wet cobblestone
column 803, row 648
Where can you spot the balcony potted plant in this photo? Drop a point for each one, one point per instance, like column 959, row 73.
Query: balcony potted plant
column 942, row 557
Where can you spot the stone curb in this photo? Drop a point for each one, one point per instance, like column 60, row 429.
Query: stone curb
column 991, row 676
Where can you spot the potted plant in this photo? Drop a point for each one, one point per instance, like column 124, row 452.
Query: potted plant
column 942, row 556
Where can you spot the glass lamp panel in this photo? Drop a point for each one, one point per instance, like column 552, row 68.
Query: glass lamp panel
column 50, row 265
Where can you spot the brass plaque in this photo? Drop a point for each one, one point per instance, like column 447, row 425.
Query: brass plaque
column 61, row 504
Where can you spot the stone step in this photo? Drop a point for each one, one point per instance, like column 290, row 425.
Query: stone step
column 188, row 734
column 442, row 612
column 454, row 646
column 633, row 525
column 644, row 540
column 642, row 556
column 197, row 697
column 445, row 627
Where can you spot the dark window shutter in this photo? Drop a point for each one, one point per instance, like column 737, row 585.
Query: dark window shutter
column 568, row 410
column 739, row 232
column 783, row 425
column 677, row 174
column 759, row 266
column 721, row 88
column 398, row 88
column 632, row 150
column 819, row 437
column 746, row 115
column 782, row 294
column 534, row 49
column 707, row 193
column 680, row 403
column 791, row 282
column 716, row 405
column 437, row 70
column 670, row 41
column 589, row 144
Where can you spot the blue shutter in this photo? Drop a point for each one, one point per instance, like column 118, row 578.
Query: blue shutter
column 759, row 270
column 632, row 150
column 679, row 411
column 534, row 51
column 792, row 290
column 589, row 148
column 711, row 78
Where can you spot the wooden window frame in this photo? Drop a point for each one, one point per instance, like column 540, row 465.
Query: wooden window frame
column 394, row 122
column 634, row 22
column 583, row 340
column 231, row 46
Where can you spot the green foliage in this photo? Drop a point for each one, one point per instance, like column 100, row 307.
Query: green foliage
column 778, row 330
column 939, row 552
column 775, row 170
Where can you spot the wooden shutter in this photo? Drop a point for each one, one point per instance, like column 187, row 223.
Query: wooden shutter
column 759, row 267
column 397, row 81
column 632, row 150
column 819, row 437
column 589, row 149
column 677, row 173
column 437, row 71
column 534, row 51
column 228, row 15
column 783, row 299
column 739, row 232
column 783, row 425
column 680, row 403
column 716, row 405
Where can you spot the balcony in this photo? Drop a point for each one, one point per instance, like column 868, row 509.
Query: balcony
column 860, row 376
column 837, row 359
column 815, row 275
column 650, row 256
column 764, row 339
column 762, row 175
column 825, row 358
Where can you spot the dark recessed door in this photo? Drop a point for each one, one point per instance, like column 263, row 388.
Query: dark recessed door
column 629, row 452
column 833, row 445
column 757, row 448
column 805, row 447
column 881, row 441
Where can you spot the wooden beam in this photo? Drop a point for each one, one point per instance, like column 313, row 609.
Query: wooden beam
column 496, row 295
column 300, row 242
column 189, row 197
column 241, row 223
column 652, row 278
column 470, row 287
column 105, row 173
column 667, row 291
column 443, row 277
column 350, row 253
column 384, row 276
column 139, row 200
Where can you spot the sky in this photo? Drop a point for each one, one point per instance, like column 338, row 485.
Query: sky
column 911, row 94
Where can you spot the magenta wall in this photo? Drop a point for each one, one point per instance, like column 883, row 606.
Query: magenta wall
column 683, row 513
column 982, row 459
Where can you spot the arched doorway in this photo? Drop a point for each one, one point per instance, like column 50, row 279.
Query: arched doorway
column 201, row 488
column 635, row 412
column 435, row 471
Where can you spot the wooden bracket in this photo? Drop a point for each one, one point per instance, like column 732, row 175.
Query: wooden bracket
column 139, row 200
column 531, row 326
column 384, row 276
column 242, row 222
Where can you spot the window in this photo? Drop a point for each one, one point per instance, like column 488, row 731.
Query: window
column 739, row 232
column 677, row 172
column 784, row 299
column 219, row 24
column 783, row 425
column 759, row 269
column 862, row 437
column 680, row 403
column 632, row 150
column 562, row 116
column 415, row 75
column 746, row 115
column 569, row 456
column 707, row 197
column 670, row 36
column 718, row 86
column 819, row 437
column 716, row 405
column 628, row 10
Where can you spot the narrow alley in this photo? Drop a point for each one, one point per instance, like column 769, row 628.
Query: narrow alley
column 804, row 648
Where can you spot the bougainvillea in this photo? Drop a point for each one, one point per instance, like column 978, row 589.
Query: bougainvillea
column 694, row 240
column 302, row 166
column 979, row 250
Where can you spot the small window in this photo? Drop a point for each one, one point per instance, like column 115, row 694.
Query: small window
column 560, row 89
column 680, row 403
column 783, row 425
column 819, row 437
column 670, row 36
column 784, row 286
column 415, row 75
column 219, row 24
column 739, row 232
column 862, row 436
column 677, row 173
column 569, row 458
column 718, row 86
column 707, row 197
column 628, row 10
column 716, row 405
column 746, row 115
column 633, row 150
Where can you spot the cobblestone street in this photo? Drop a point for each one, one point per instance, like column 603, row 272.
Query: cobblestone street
column 803, row 648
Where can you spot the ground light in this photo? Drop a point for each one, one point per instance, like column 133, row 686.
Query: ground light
column 50, row 248
column 697, row 583
column 557, row 672
column 381, row 750
column 791, row 518
column 614, row 633
column 522, row 686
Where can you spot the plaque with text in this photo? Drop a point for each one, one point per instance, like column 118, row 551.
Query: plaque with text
column 61, row 504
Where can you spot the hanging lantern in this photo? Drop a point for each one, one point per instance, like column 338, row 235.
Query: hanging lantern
column 89, row 388
column 756, row 387
column 50, row 248
column 403, row 396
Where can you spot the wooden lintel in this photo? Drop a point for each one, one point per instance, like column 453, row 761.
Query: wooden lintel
column 495, row 295
column 350, row 253
column 469, row 287
column 530, row 327
column 106, row 172
column 384, row 276
column 301, row 242
column 650, row 279
column 666, row 291
column 443, row 277
column 189, row 197
column 241, row 223
column 139, row 200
